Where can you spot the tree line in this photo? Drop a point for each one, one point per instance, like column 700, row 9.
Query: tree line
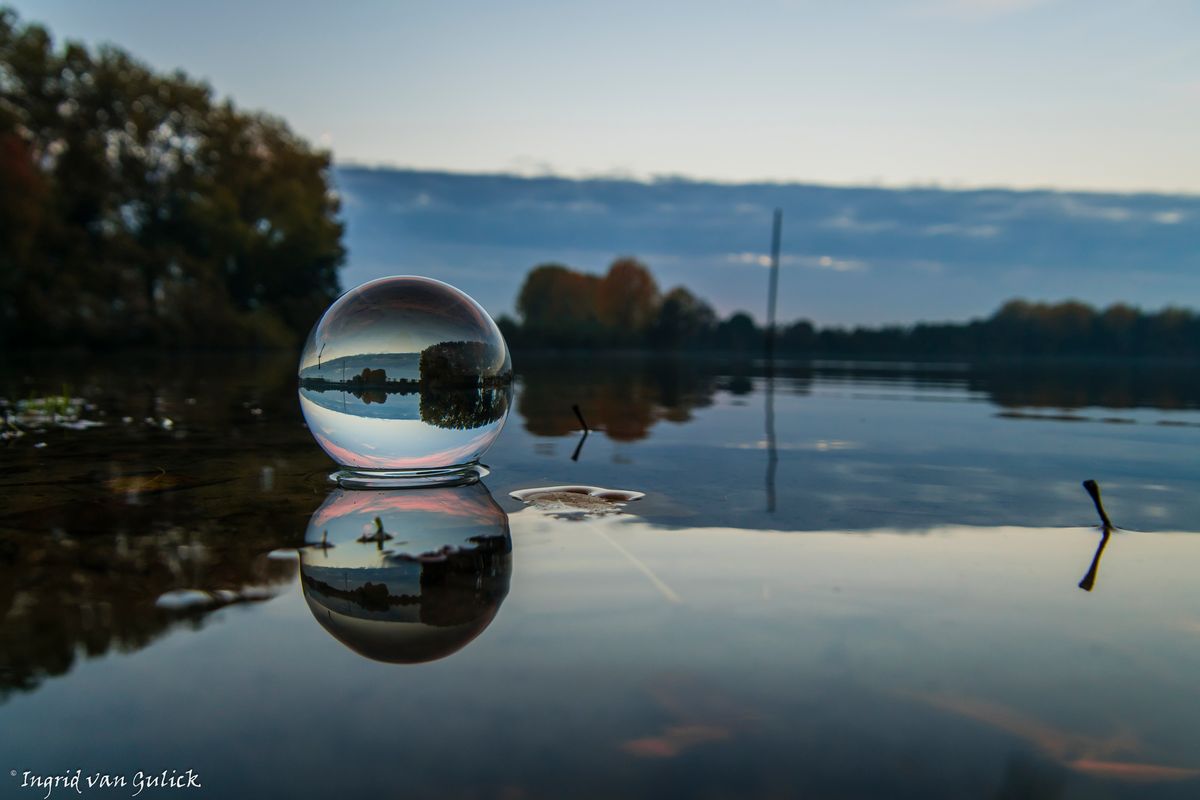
column 137, row 208
column 559, row 307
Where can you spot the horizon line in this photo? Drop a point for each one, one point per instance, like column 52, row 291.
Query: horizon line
column 651, row 179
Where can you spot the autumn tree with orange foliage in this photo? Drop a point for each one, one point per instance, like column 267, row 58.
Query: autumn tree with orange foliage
column 628, row 301
column 564, row 308
column 560, row 307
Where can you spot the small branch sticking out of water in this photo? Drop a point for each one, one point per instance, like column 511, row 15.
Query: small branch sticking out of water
column 1093, row 489
column 586, row 431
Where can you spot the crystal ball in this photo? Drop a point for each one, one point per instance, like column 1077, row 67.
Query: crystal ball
column 405, row 381
column 407, row 577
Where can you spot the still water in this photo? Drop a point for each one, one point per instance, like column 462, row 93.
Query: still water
column 845, row 580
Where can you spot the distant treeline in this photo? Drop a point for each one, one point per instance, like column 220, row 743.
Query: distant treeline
column 562, row 308
column 137, row 209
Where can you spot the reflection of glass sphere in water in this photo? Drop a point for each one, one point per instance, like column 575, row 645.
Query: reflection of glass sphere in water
column 405, row 381
column 421, row 594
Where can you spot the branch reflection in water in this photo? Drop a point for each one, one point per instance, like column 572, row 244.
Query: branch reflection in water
column 1106, row 529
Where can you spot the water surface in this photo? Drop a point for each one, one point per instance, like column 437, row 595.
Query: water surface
column 846, row 580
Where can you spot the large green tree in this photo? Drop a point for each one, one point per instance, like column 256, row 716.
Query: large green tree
column 137, row 209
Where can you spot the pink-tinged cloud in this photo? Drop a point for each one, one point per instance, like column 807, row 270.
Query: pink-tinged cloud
column 1085, row 754
column 469, row 503
column 459, row 454
column 347, row 458
column 1053, row 741
column 674, row 740
column 701, row 713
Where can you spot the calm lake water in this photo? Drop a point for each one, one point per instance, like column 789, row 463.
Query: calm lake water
column 844, row 581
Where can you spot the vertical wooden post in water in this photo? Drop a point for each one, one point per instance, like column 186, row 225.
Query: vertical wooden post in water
column 773, row 286
column 772, row 456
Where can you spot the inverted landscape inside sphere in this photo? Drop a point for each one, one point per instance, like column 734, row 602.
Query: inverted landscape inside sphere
column 451, row 384
column 405, row 373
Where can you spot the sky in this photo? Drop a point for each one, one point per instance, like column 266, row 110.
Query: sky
column 850, row 255
column 1069, row 94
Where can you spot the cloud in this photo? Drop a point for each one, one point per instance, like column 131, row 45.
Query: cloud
column 1169, row 217
column 832, row 263
column 531, row 167
column 422, row 201
column 486, row 231
column 1080, row 209
column 1043, row 207
column 753, row 209
column 828, row 262
column 961, row 229
column 848, row 221
column 748, row 258
column 1085, row 753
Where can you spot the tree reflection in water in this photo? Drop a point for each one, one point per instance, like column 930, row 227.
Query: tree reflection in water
column 625, row 397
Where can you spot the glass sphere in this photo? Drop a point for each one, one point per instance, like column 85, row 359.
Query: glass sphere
column 407, row 577
column 405, row 381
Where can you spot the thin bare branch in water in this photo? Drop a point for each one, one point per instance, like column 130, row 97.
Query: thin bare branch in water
column 1093, row 489
column 579, row 447
column 586, row 431
column 1089, row 580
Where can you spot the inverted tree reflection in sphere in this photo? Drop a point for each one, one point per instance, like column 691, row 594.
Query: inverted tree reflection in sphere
column 411, row 576
column 405, row 374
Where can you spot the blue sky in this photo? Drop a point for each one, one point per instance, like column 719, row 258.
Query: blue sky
column 850, row 255
column 1020, row 93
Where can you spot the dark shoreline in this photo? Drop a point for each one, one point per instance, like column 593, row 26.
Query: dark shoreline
column 206, row 354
